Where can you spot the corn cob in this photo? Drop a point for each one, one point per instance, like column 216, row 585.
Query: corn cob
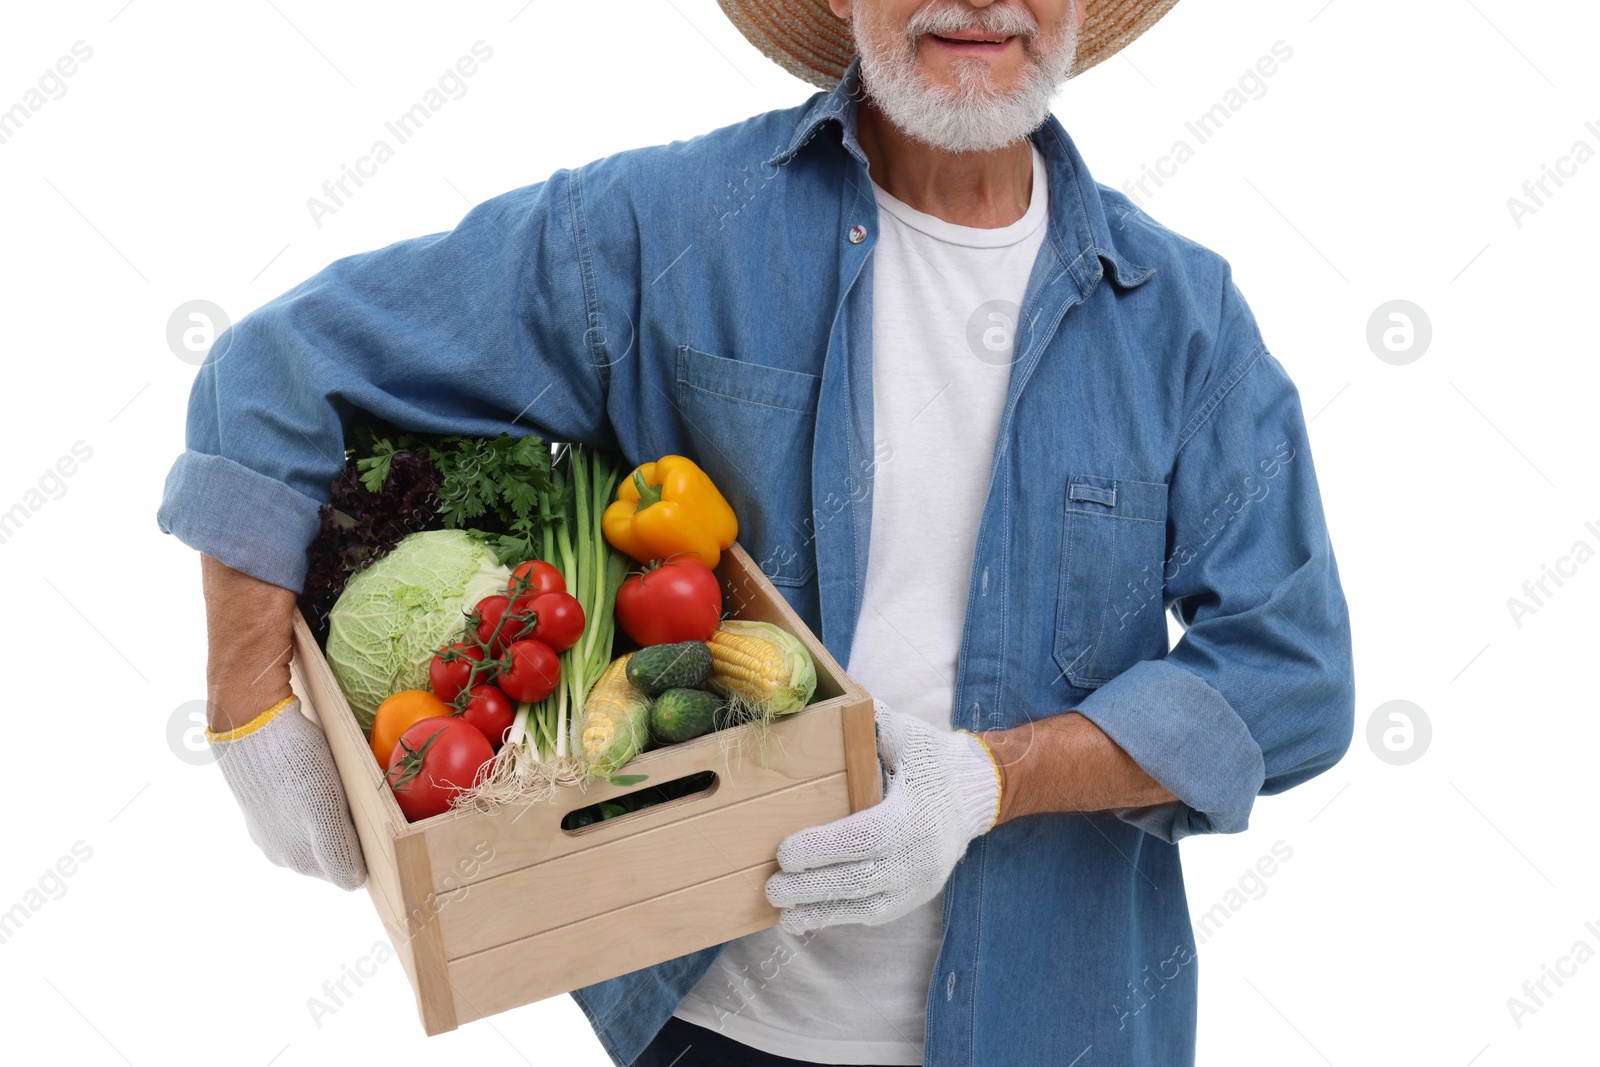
column 761, row 666
column 616, row 721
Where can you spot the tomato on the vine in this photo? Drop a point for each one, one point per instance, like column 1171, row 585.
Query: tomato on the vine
column 534, row 671
column 491, row 711
column 535, row 577
column 677, row 600
column 433, row 761
column 500, row 622
column 452, row 668
column 557, row 618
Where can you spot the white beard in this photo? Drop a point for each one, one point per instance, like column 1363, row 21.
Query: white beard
column 972, row 116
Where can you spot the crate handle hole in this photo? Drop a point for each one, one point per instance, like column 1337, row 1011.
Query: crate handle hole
column 642, row 799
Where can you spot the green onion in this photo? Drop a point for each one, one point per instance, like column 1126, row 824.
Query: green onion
column 594, row 571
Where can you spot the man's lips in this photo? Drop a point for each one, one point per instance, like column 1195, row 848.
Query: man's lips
column 975, row 45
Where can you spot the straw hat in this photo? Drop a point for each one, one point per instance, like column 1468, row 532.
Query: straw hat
column 806, row 39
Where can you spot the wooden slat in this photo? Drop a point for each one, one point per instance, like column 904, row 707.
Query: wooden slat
column 644, row 934
column 800, row 747
column 426, row 942
column 717, row 842
column 861, row 754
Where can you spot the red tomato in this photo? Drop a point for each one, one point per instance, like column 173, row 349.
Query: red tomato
column 491, row 610
column 433, row 761
column 534, row 672
column 451, row 669
column 681, row 600
column 558, row 618
column 490, row 711
column 535, row 577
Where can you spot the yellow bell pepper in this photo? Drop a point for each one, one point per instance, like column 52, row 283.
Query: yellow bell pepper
column 669, row 507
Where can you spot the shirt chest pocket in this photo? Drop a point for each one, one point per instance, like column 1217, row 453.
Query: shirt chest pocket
column 1109, row 595
column 752, row 426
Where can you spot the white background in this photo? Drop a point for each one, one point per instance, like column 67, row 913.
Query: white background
column 1377, row 166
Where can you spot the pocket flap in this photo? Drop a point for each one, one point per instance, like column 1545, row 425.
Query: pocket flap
column 1117, row 498
column 752, row 383
column 1099, row 494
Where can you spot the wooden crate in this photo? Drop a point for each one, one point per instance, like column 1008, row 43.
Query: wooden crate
column 490, row 912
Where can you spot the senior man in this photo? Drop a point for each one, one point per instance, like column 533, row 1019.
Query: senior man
column 983, row 421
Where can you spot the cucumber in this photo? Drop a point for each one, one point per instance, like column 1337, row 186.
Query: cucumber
column 658, row 668
column 680, row 714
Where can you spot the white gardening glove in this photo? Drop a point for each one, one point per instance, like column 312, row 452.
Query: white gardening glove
column 875, row 865
column 282, row 774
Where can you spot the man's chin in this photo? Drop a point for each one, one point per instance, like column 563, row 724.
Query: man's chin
column 971, row 75
column 956, row 122
column 961, row 134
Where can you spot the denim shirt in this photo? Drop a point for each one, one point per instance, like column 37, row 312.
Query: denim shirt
column 712, row 297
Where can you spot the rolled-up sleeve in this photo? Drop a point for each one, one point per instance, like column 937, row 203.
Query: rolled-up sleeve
column 485, row 328
column 1258, row 695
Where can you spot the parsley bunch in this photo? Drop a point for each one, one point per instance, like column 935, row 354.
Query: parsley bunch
column 498, row 487
column 396, row 483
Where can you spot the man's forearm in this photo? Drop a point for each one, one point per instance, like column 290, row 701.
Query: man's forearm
column 1067, row 763
column 248, row 628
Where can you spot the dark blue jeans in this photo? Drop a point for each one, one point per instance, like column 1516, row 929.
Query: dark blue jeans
column 683, row 1044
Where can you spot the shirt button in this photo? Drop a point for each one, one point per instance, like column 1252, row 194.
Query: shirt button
column 858, row 233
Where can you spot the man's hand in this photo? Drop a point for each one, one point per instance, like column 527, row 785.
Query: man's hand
column 275, row 760
column 875, row 865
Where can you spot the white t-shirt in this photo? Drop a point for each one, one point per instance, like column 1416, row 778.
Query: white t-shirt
column 944, row 310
